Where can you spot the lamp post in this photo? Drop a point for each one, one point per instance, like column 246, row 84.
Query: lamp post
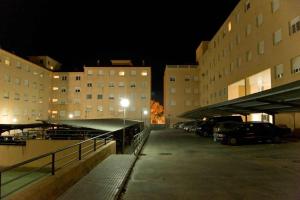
column 124, row 103
column 145, row 113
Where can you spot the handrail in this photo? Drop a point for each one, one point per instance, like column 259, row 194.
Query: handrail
column 50, row 153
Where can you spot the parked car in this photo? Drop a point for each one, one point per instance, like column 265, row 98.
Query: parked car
column 235, row 133
column 12, row 140
column 206, row 128
column 188, row 125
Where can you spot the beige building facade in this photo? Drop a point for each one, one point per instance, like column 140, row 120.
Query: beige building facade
column 33, row 90
column 97, row 91
column 255, row 49
column 181, row 90
column 24, row 90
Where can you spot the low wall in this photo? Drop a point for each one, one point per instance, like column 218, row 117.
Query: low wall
column 52, row 187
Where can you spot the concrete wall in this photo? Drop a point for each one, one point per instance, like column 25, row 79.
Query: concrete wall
column 53, row 186
column 11, row 155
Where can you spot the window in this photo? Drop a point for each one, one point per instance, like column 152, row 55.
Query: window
column 143, row 97
column 275, row 5
column 77, row 78
column 187, row 90
column 54, row 112
column 249, row 56
column 90, row 72
column 17, row 81
column 77, row 90
column 133, row 72
column 247, row 5
column 144, row 84
column 54, row 100
column 172, row 79
column 7, row 61
column 99, row 96
column 144, row 73
column 187, row 102
column 64, row 78
column 187, row 78
column 62, row 101
column 121, row 73
column 100, row 108
column 6, row 95
column 18, row 65
column 100, row 72
column 89, row 85
column 296, row 65
column 259, row 20
column 111, row 85
column 112, row 72
column 229, row 26
column 89, row 96
column 261, row 47
column 63, row 90
column 76, row 101
column 56, row 77
column 279, row 71
column 277, row 37
column 77, row 113
column 54, row 88
column 121, row 84
column 111, row 97
column 237, row 18
column 173, row 90
column 173, row 102
column 111, row 108
column 295, row 25
column 132, row 84
column 62, row 113
column 248, row 30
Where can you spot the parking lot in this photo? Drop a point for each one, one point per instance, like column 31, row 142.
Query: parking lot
column 180, row 165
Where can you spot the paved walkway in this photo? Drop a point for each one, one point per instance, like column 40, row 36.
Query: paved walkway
column 104, row 182
column 177, row 165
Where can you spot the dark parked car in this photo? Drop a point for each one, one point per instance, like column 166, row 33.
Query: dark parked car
column 234, row 133
column 206, row 127
column 11, row 140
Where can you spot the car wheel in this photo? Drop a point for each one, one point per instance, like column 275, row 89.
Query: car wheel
column 276, row 139
column 233, row 141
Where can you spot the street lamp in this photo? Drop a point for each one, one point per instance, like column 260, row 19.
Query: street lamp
column 145, row 113
column 124, row 103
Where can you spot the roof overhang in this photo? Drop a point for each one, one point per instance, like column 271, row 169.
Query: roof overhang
column 281, row 99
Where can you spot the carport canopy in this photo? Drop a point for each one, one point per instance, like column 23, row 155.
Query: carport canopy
column 281, row 99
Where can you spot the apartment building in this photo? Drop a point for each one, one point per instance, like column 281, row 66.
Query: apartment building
column 96, row 92
column 33, row 90
column 255, row 49
column 181, row 90
column 24, row 90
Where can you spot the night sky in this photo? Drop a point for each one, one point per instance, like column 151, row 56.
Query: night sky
column 81, row 32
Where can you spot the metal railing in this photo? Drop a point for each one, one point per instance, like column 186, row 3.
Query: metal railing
column 53, row 161
column 139, row 141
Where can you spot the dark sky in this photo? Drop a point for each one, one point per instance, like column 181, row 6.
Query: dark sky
column 80, row 32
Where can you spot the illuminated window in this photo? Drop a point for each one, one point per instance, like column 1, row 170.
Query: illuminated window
column 121, row 73
column 7, row 62
column 56, row 76
column 144, row 73
column 55, row 88
column 54, row 112
column 229, row 27
column 54, row 100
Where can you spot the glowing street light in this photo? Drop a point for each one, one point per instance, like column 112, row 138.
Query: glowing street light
column 71, row 116
column 124, row 104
